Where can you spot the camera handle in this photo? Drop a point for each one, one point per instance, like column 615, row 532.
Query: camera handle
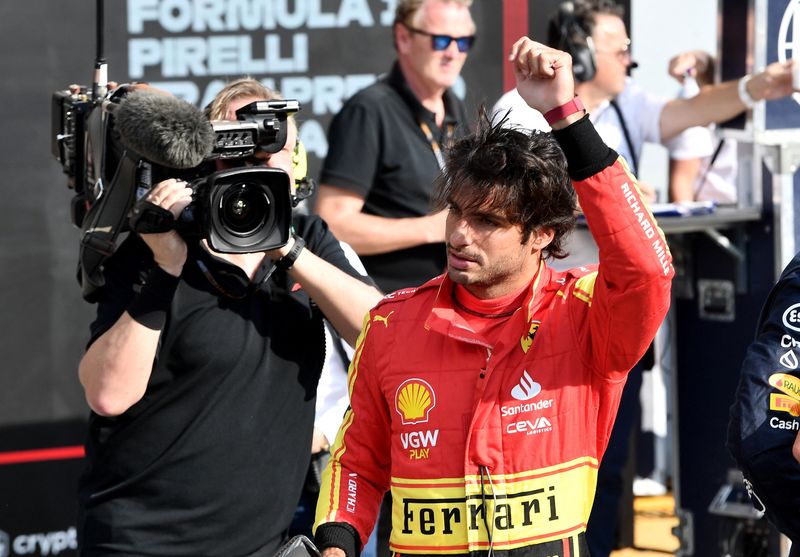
column 304, row 188
column 298, row 546
column 148, row 218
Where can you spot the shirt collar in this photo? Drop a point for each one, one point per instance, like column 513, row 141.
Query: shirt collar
column 397, row 81
column 444, row 319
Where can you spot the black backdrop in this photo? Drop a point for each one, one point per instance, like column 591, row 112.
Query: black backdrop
column 49, row 44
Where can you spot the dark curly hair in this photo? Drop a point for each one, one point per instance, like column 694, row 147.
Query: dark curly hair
column 523, row 176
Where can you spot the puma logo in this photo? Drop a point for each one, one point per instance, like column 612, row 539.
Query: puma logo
column 382, row 319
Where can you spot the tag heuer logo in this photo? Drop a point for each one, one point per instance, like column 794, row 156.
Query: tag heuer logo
column 527, row 388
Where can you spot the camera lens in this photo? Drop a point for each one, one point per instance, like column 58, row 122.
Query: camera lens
column 244, row 209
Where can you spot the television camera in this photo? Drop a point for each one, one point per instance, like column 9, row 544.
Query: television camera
column 115, row 145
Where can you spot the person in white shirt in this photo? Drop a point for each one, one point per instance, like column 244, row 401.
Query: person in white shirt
column 704, row 166
column 594, row 33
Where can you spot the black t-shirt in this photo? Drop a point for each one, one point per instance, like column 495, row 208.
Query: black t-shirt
column 212, row 459
column 377, row 149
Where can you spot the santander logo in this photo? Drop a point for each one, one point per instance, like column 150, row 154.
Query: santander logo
column 527, row 388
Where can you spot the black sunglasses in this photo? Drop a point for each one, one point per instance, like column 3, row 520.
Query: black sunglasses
column 442, row 42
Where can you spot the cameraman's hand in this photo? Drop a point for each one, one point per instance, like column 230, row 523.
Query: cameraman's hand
column 169, row 249
column 277, row 253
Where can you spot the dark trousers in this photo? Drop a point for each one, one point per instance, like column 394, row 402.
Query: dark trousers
column 612, row 512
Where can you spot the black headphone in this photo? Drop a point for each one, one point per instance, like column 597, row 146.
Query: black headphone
column 574, row 40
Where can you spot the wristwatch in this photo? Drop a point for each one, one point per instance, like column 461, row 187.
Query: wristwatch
column 287, row 261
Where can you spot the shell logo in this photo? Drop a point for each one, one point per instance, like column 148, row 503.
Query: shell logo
column 414, row 401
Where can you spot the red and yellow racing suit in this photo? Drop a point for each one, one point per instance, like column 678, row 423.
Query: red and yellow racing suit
column 498, row 444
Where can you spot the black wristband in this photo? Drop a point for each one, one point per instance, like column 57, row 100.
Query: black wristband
column 149, row 307
column 338, row 534
column 287, row 261
column 586, row 152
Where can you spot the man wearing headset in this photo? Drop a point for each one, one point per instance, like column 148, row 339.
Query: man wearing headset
column 625, row 115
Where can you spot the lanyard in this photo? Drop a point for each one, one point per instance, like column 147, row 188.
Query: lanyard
column 437, row 151
column 634, row 162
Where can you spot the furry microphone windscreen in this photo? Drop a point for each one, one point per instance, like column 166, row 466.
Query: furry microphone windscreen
column 164, row 129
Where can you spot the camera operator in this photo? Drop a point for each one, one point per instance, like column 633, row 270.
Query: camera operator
column 201, row 376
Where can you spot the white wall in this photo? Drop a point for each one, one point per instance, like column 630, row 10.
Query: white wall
column 660, row 30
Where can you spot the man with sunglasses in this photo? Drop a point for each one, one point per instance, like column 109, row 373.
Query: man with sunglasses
column 386, row 145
